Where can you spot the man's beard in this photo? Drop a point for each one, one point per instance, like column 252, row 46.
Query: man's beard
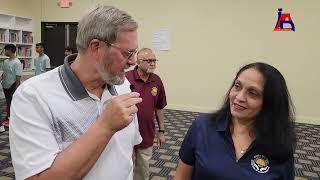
column 110, row 78
column 150, row 70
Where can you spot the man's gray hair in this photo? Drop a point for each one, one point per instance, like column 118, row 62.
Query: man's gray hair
column 103, row 23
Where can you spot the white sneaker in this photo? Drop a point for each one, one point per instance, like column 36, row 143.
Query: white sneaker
column 2, row 129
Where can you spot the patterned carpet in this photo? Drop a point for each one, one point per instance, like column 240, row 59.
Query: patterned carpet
column 163, row 163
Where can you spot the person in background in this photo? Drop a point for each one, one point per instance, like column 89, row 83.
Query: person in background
column 250, row 137
column 2, row 106
column 68, row 51
column 11, row 77
column 78, row 121
column 151, row 89
column 41, row 63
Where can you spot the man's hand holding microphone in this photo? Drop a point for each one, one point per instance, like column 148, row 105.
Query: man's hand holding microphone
column 120, row 110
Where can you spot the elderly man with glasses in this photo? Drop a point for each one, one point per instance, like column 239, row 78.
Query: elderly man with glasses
column 152, row 92
column 79, row 121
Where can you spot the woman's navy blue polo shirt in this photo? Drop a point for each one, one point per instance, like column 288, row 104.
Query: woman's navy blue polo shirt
column 208, row 147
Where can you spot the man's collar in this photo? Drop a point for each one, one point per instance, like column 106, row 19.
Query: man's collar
column 137, row 76
column 14, row 57
column 70, row 81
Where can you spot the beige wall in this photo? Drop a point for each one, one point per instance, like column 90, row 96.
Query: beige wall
column 53, row 13
column 211, row 39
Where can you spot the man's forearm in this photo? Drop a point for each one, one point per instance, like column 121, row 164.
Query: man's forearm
column 18, row 81
column 77, row 160
column 160, row 118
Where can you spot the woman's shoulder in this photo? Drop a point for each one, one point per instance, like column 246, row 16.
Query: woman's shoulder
column 205, row 120
column 202, row 119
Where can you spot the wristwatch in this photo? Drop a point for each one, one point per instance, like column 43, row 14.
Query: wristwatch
column 161, row 130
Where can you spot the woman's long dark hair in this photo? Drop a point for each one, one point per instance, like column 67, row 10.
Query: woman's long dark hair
column 274, row 125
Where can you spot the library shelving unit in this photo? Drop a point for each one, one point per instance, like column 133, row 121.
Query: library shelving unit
column 18, row 31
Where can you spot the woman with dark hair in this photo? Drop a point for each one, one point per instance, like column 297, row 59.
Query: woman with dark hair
column 250, row 137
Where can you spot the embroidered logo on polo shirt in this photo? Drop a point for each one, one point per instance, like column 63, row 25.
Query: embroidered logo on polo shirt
column 260, row 163
column 154, row 91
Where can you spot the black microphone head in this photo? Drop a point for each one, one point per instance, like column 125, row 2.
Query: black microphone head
column 112, row 90
column 132, row 87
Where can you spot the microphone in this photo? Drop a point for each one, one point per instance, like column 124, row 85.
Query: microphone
column 132, row 87
column 112, row 90
column 132, row 90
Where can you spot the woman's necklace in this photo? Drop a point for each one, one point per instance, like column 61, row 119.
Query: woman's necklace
column 242, row 150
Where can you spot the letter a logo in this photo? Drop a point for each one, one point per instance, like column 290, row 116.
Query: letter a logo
column 284, row 19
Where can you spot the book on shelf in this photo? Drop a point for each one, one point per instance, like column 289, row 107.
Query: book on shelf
column 27, row 37
column 2, row 37
column 24, row 51
column 14, row 38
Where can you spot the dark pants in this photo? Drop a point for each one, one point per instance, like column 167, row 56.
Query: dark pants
column 8, row 93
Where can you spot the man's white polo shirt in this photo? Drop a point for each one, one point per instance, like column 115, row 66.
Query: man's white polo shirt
column 50, row 111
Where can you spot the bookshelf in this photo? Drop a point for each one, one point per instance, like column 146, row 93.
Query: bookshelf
column 18, row 31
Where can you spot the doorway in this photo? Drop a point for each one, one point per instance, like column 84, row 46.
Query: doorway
column 56, row 36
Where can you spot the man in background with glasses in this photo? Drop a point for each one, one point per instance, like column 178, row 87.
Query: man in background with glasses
column 151, row 90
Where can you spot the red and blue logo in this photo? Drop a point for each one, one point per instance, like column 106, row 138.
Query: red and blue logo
column 284, row 20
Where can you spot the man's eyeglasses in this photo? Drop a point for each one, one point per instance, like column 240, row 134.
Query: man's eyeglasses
column 127, row 54
column 149, row 60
